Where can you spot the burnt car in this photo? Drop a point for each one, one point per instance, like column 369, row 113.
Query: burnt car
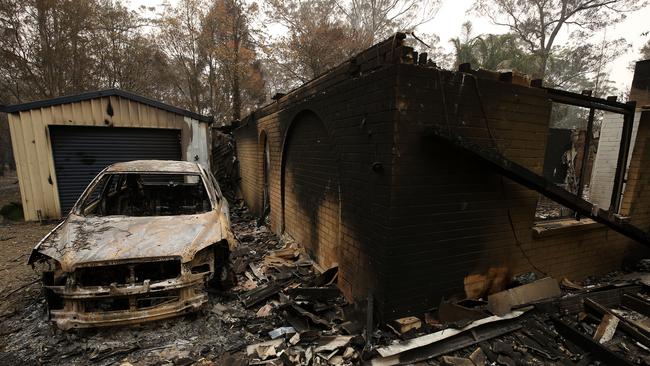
column 141, row 244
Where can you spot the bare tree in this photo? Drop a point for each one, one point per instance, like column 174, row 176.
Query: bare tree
column 374, row 20
column 44, row 47
column 179, row 32
column 232, row 57
column 125, row 56
column 316, row 37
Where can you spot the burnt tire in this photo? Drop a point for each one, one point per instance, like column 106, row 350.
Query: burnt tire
column 227, row 277
column 224, row 276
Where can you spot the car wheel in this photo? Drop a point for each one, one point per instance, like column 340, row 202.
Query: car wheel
column 224, row 276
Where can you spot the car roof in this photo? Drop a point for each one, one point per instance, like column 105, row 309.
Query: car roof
column 155, row 166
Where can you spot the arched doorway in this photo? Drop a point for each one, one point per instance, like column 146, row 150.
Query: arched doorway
column 310, row 188
column 266, row 168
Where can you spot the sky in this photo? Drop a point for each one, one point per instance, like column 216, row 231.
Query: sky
column 453, row 13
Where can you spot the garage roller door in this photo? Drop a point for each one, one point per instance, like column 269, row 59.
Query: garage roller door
column 82, row 152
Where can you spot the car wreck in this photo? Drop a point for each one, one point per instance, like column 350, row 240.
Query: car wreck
column 140, row 244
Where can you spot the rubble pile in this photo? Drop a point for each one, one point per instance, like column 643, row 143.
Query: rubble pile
column 298, row 308
column 526, row 320
column 537, row 322
column 286, row 310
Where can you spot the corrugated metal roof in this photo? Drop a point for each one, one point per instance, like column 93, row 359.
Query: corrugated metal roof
column 103, row 93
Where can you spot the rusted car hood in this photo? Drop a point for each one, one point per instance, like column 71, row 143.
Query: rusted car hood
column 84, row 240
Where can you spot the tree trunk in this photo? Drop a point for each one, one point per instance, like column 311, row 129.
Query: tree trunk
column 542, row 67
column 236, row 92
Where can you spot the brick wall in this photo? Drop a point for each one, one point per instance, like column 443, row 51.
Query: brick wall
column 357, row 179
column 636, row 198
column 640, row 91
column 311, row 189
column 334, row 202
column 451, row 216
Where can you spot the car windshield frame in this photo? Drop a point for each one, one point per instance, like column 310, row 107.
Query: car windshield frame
column 77, row 208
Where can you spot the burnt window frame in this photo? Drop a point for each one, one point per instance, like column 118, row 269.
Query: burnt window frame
column 610, row 104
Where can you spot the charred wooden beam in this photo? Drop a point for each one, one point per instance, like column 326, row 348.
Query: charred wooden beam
column 621, row 163
column 623, row 324
column 637, row 304
column 588, row 101
column 452, row 344
column 257, row 295
column 315, row 293
column 529, row 179
column 595, row 349
column 585, row 153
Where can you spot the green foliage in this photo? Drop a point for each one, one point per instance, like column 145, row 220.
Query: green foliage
column 12, row 211
column 491, row 51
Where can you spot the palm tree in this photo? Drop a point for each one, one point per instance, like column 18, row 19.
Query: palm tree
column 491, row 51
column 465, row 47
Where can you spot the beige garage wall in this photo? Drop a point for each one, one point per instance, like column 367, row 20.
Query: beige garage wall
column 33, row 149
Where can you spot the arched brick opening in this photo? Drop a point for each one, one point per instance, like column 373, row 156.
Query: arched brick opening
column 311, row 188
column 265, row 168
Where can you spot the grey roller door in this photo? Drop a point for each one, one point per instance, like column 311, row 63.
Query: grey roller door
column 82, row 152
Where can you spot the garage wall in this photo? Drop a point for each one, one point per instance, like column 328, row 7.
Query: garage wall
column 33, row 149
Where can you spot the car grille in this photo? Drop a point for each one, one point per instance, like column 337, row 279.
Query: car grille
column 128, row 273
column 138, row 302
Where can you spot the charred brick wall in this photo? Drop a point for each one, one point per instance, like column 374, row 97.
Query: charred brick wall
column 323, row 189
column 356, row 177
column 640, row 91
column 452, row 217
column 636, row 198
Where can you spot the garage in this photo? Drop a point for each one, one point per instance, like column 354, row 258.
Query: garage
column 82, row 152
column 60, row 144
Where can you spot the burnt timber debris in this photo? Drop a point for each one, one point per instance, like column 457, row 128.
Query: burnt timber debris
column 297, row 301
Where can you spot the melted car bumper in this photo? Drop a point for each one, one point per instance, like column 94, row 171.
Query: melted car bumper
column 84, row 307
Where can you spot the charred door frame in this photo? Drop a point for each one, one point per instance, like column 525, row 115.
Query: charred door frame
column 627, row 110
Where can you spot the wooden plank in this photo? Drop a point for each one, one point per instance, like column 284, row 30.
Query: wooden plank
column 606, row 329
column 595, row 349
column 636, row 303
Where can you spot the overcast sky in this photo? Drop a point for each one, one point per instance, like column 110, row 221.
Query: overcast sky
column 453, row 13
